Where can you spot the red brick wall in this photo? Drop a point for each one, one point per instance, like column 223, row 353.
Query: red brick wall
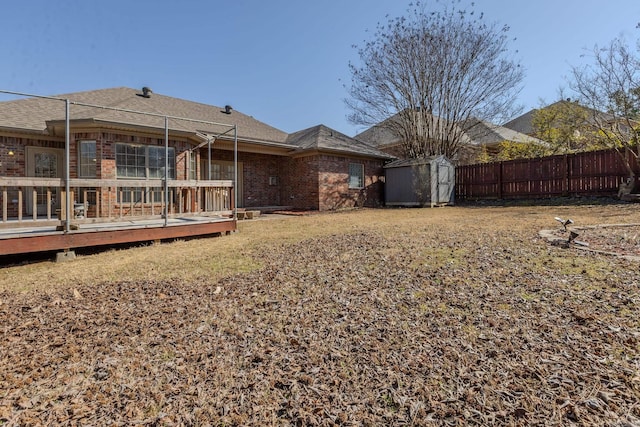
column 257, row 169
column 334, row 183
column 318, row 182
column 14, row 165
column 300, row 184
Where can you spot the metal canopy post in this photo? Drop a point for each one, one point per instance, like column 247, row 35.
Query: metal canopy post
column 235, row 172
column 166, row 171
column 67, row 168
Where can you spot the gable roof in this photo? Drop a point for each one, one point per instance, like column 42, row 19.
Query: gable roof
column 45, row 116
column 379, row 136
column 474, row 132
column 34, row 114
column 382, row 134
column 524, row 122
column 323, row 138
column 481, row 132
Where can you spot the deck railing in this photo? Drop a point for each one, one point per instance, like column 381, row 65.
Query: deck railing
column 30, row 200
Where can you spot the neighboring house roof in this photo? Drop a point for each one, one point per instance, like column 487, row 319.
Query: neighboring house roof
column 476, row 132
column 323, row 138
column 523, row 123
column 379, row 136
column 382, row 134
column 481, row 132
column 33, row 114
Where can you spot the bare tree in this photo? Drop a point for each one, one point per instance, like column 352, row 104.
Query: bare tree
column 423, row 76
column 610, row 87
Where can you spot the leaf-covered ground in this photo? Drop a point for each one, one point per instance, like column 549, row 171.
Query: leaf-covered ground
column 437, row 323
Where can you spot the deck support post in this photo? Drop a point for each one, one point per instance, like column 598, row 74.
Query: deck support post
column 66, row 255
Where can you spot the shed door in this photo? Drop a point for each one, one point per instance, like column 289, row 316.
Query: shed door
column 445, row 182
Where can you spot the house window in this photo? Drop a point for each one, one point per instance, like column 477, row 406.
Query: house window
column 156, row 162
column 192, row 165
column 222, row 170
column 143, row 161
column 356, row 175
column 87, row 159
column 137, row 195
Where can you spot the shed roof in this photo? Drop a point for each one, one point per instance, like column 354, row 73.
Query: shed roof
column 414, row 162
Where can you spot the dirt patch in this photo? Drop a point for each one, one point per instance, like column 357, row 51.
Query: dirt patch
column 615, row 239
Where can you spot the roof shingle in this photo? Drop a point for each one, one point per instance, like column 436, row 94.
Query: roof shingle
column 32, row 114
column 322, row 137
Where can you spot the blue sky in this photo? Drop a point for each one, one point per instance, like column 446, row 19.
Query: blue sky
column 283, row 62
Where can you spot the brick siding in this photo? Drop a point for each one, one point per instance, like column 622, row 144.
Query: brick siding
column 315, row 182
column 334, row 183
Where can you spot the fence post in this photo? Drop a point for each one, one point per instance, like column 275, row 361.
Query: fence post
column 500, row 167
column 566, row 177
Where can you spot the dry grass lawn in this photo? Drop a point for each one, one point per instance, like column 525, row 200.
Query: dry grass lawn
column 447, row 316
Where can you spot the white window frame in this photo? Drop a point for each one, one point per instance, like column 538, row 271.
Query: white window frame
column 356, row 176
column 87, row 162
column 139, row 167
column 193, row 165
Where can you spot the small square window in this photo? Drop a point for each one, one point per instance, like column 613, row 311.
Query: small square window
column 356, row 175
column 273, row 180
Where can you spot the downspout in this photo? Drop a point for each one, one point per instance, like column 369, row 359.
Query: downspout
column 67, row 168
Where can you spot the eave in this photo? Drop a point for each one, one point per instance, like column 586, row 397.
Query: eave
column 35, row 133
column 342, row 153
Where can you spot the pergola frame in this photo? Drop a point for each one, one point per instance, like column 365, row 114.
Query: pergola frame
column 209, row 138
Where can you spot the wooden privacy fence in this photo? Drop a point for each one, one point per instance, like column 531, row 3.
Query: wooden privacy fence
column 593, row 173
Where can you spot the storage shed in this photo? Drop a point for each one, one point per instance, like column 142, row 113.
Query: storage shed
column 420, row 182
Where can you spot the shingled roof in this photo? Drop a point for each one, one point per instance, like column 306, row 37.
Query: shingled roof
column 33, row 114
column 323, row 138
column 523, row 123
column 474, row 132
column 481, row 132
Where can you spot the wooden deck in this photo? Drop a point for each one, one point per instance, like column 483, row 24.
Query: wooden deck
column 47, row 237
column 109, row 212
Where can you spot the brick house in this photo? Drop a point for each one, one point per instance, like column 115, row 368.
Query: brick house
column 314, row 169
